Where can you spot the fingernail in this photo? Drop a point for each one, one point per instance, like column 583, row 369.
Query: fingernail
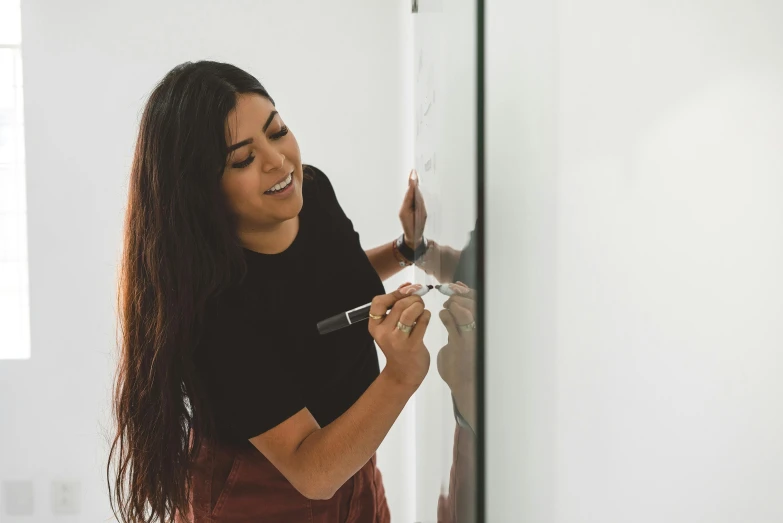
column 411, row 289
column 461, row 287
column 421, row 291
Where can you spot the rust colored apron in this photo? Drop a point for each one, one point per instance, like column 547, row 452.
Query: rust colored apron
column 233, row 485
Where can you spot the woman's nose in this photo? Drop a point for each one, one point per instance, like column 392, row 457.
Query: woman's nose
column 273, row 161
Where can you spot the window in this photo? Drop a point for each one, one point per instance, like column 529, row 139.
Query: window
column 14, row 290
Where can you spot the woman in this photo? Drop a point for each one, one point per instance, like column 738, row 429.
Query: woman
column 229, row 405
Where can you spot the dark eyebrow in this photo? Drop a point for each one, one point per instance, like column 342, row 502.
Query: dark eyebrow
column 250, row 140
column 269, row 120
column 240, row 144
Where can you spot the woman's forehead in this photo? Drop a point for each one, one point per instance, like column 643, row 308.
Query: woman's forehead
column 248, row 116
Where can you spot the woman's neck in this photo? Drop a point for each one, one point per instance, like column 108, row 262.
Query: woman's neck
column 273, row 240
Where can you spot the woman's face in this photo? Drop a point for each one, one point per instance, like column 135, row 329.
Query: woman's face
column 263, row 176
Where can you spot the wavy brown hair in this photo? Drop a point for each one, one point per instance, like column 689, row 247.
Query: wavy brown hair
column 180, row 249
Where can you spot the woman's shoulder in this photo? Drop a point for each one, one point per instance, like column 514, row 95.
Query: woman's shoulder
column 318, row 188
column 317, row 180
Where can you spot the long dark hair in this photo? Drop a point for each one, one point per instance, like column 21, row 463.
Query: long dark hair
column 180, row 249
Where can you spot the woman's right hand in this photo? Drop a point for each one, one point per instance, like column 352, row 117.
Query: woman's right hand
column 407, row 358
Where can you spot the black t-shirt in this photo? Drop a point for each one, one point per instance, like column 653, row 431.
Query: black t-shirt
column 260, row 356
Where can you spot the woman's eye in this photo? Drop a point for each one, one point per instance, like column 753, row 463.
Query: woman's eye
column 282, row 132
column 245, row 162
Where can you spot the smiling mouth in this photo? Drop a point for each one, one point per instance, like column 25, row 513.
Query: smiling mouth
column 282, row 185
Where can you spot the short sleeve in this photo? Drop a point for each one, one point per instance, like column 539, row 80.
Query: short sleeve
column 250, row 369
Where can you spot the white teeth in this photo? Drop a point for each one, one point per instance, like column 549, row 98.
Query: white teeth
column 283, row 185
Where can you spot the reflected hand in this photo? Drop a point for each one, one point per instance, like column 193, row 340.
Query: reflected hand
column 457, row 359
column 413, row 213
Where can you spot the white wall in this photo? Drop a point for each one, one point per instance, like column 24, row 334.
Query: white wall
column 521, row 219
column 340, row 73
column 636, row 207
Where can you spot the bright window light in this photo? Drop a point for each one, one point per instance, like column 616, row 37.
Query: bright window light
column 14, row 288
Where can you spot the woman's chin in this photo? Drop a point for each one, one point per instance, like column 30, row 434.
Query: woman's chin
column 290, row 207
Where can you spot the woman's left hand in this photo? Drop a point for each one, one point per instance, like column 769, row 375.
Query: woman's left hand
column 413, row 213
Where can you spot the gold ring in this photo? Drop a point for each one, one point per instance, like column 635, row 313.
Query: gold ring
column 376, row 317
column 404, row 328
column 468, row 327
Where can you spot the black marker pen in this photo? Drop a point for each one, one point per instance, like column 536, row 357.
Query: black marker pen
column 347, row 318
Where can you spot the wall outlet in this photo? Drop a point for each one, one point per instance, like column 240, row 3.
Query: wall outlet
column 65, row 497
column 18, row 498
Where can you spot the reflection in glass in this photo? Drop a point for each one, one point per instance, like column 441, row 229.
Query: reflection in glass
column 445, row 151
